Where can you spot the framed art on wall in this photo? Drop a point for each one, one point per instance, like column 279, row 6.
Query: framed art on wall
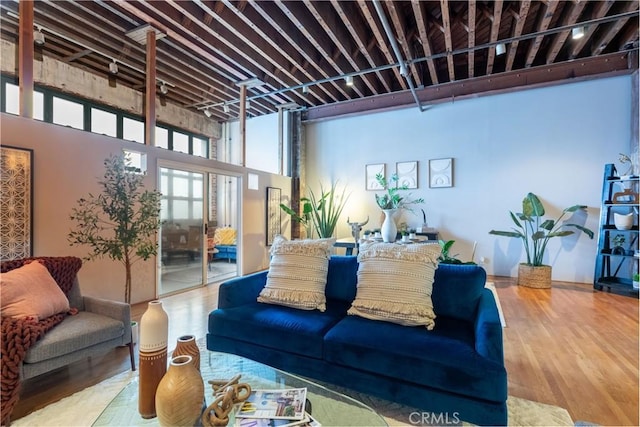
column 274, row 219
column 407, row 174
column 441, row 173
column 370, row 175
column 16, row 203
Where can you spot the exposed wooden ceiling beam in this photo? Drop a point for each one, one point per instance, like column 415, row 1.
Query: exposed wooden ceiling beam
column 601, row 44
column 495, row 31
column 560, row 38
column 380, row 39
column 421, row 23
column 402, row 39
column 444, row 6
column 471, row 18
column 521, row 17
column 358, row 34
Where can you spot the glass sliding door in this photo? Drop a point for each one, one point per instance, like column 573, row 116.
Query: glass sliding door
column 222, row 230
column 182, row 232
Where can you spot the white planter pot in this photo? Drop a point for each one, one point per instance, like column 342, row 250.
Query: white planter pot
column 623, row 222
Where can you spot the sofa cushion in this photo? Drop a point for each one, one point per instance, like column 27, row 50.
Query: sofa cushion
column 31, row 291
column 298, row 273
column 443, row 358
column 457, row 290
column 225, row 236
column 342, row 278
column 75, row 333
column 272, row 326
column 395, row 283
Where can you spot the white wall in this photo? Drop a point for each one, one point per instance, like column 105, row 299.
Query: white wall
column 67, row 165
column 551, row 141
column 261, row 141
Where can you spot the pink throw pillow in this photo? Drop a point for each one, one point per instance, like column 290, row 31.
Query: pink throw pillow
column 30, row 291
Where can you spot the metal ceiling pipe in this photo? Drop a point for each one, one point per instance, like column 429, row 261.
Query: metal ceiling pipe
column 404, row 71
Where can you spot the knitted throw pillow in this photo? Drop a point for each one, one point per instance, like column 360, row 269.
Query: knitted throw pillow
column 30, row 291
column 395, row 283
column 298, row 273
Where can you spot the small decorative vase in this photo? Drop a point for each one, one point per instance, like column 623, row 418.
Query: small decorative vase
column 187, row 346
column 389, row 230
column 623, row 222
column 180, row 394
column 154, row 333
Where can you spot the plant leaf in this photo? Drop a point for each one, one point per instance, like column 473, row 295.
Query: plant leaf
column 506, row 233
column 532, row 206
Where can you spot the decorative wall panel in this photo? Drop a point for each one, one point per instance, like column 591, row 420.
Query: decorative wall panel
column 16, row 203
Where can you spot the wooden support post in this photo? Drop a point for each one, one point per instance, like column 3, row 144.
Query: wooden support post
column 25, row 58
column 150, row 94
column 243, row 123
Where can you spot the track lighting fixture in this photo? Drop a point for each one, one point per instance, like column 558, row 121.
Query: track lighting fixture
column 225, row 108
column 207, row 112
column 38, row 37
column 113, row 67
column 164, row 89
column 577, row 33
column 501, row 48
column 349, row 80
column 305, row 89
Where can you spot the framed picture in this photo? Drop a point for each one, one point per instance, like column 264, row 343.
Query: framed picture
column 441, row 173
column 274, row 219
column 407, row 174
column 16, row 203
column 370, row 175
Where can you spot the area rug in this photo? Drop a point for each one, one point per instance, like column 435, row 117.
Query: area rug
column 84, row 407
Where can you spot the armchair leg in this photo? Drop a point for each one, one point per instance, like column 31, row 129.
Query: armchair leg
column 133, row 360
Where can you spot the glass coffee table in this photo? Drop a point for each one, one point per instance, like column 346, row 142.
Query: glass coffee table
column 328, row 407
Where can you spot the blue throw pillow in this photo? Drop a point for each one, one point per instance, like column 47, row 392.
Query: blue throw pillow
column 457, row 290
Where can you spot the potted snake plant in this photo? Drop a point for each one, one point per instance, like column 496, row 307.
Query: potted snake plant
column 535, row 232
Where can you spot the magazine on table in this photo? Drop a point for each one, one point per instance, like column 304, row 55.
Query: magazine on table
column 307, row 421
column 288, row 404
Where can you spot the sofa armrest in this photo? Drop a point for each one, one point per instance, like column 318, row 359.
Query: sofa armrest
column 114, row 309
column 488, row 329
column 241, row 290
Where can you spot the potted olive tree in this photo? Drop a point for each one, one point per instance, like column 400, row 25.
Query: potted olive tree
column 121, row 222
column 535, row 232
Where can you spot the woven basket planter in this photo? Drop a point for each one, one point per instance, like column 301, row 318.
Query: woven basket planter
column 534, row 277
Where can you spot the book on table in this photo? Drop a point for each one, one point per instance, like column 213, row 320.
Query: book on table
column 288, row 404
column 307, row 421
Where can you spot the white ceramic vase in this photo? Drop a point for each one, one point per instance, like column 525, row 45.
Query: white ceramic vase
column 623, row 222
column 154, row 333
column 389, row 230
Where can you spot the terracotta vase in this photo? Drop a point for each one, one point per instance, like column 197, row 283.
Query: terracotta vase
column 180, row 393
column 187, row 346
column 154, row 331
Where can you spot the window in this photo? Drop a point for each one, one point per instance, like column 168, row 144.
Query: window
column 180, row 142
column 162, row 137
column 68, row 113
column 104, row 122
column 136, row 160
column 200, row 147
column 12, row 93
column 133, row 130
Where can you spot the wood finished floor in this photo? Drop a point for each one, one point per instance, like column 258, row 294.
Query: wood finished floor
column 568, row 346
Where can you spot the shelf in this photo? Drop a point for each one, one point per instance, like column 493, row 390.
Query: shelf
column 610, row 204
column 616, row 282
column 603, row 253
column 630, row 178
column 609, row 227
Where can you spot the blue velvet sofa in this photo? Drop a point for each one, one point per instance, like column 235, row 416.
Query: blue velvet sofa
column 227, row 252
column 456, row 370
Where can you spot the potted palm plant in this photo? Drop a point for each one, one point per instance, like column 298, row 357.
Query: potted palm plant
column 320, row 213
column 535, row 232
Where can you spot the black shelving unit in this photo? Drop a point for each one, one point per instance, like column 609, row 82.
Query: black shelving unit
column 615, row 266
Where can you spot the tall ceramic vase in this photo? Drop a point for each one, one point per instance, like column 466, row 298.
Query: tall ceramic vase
column 180, row 394
column 154, row 331
column 187, row 346
column 389, row 230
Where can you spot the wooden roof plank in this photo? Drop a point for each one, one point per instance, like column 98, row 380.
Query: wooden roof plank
column 402, row 39
column 495, row 30
column 525, row 5
column 547, row 17
column 446, row 24
column 561, row 38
